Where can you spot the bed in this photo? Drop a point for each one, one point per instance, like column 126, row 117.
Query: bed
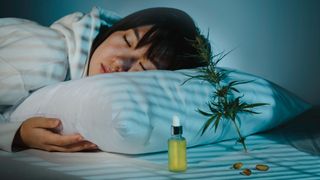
column 291, row 151
column 131, row 124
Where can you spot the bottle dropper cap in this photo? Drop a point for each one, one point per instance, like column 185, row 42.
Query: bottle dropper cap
column 175, row 121
column 176, row 126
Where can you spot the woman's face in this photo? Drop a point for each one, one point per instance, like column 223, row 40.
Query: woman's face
column 118, row 53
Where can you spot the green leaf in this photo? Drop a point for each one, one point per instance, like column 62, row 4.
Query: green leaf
column 207, row 123
column 204, row 113
column 234, row 89
column 242, row 82
column 216, row 123
column 250, row 111
column 222, row 104
column 255, row 105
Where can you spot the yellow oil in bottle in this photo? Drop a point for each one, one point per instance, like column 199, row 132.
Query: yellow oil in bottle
column 177, row 155
column 177, row 148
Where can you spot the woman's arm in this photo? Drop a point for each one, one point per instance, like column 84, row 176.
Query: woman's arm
column 43, row 133
column 7, row 133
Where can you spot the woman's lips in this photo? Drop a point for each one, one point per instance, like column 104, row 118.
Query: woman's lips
column 104, row 69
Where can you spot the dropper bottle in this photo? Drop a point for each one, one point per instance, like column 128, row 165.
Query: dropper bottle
column 177, row 154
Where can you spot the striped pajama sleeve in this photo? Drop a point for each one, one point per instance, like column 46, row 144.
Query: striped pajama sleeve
column 31, row 57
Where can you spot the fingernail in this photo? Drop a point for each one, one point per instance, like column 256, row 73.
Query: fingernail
column 80, row 138
column 58, row 123
column 93, row 146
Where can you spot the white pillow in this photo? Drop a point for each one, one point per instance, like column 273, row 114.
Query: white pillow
column 132, row 112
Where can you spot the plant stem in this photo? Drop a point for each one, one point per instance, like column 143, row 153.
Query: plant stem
column 240, row 136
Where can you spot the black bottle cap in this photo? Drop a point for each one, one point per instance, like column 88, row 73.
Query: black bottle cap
column 176, row 130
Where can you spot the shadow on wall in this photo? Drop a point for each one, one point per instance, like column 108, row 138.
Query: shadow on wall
column 276, row 39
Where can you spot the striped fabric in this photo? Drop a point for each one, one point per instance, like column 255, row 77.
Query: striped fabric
column 132, row 112
column 33, row 56
column 79, row 31
column 212, row 161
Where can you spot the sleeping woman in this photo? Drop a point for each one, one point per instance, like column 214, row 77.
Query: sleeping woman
column 150, row 39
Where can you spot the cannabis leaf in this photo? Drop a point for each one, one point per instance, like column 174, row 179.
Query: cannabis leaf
column 223, row 104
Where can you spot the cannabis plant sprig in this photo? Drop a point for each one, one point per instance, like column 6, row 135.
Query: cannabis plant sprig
column 223, row 104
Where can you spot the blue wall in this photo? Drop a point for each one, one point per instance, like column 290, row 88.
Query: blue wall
column 276, row 39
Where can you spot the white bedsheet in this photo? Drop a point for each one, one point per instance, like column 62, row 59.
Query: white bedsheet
column 283, row 149
column 212, row 161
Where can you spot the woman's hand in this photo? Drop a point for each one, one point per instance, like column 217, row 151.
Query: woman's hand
column 41, row 133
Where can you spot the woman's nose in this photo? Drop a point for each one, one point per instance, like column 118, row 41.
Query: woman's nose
column 123, row 65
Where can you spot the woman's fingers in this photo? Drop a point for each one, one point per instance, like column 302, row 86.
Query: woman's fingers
column 74, row 141
column 40, row 122
column 65, row 143
column 61, row 140
column 39, row 132
column 84, row 145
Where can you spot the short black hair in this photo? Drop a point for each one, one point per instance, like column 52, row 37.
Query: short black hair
column 170, row 36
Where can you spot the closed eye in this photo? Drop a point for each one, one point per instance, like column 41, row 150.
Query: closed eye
column 142, row 66
column 126, row 40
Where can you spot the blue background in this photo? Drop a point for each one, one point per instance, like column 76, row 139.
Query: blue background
column 276, row 39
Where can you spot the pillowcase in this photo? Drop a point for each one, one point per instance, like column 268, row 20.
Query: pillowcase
column 132, row 112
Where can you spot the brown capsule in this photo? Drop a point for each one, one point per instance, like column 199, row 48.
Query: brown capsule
column 246, row 172
column 237, row 165
column 262, row 167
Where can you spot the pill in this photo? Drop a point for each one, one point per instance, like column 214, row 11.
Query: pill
column 246, row 172
column 237, row 165
column 262, row 167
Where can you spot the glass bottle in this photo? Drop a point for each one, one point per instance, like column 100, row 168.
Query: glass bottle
column 177, row 145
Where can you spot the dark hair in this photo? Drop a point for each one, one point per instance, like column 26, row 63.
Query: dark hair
column 170, row 36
